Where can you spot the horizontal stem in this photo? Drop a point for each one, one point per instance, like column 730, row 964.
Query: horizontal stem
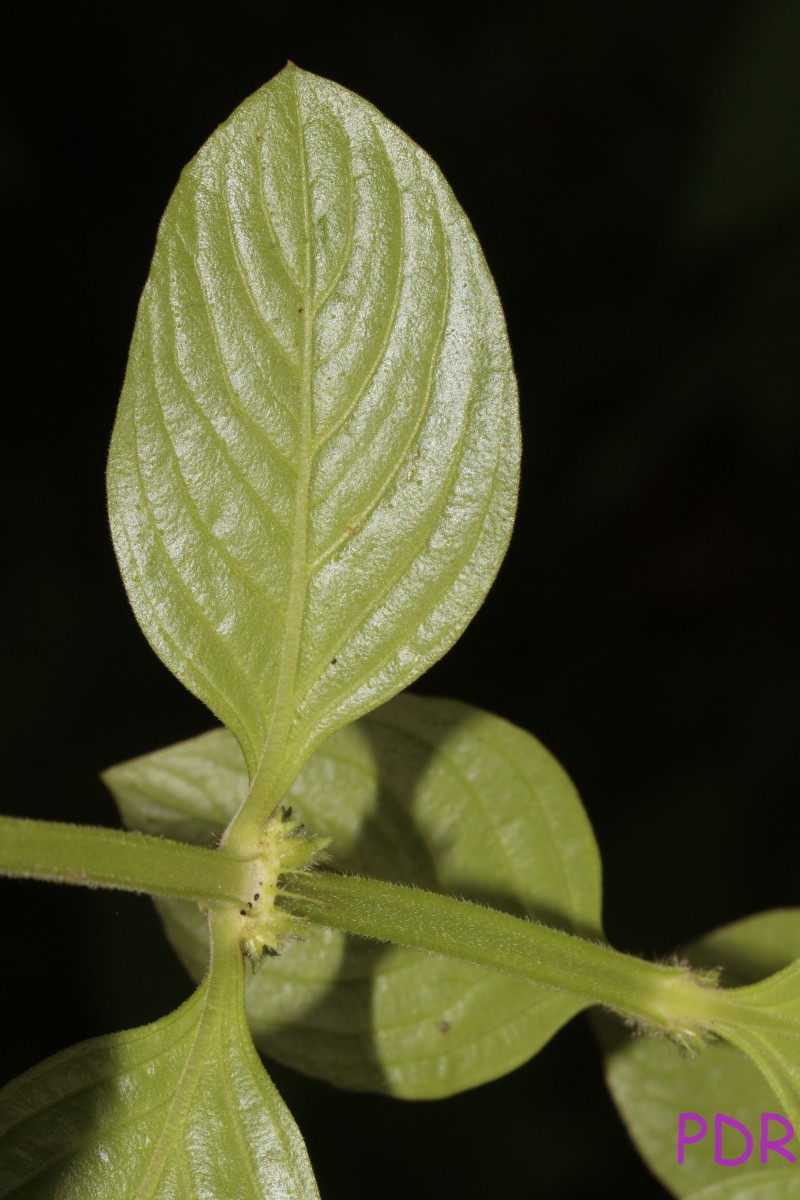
column 115, row 858
column 665, row 996
column 668, row 997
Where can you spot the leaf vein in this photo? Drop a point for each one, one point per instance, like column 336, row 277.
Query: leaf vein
column 192, row 601
column 214, row 331
column 296, row 283
column 344, row 257
column 261, row 507
column 247, row 283
column 378, row 358
column 254, row 586
column 320, row 724
column 422, row 414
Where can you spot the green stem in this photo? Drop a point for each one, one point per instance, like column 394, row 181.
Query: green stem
column 665, row 997
column 668, row 997
column 113, row 858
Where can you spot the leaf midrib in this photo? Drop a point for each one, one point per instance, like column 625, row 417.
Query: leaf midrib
column 264, row 795
column 287, row 672
column 185, row 1089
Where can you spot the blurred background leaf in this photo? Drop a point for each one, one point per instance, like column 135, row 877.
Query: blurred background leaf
column 747, row 159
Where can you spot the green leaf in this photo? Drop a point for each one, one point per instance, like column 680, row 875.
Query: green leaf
column 422, row 791
column 652, row 1081
column 766, row 1185
column 314, row 468
column 767, row 1029
column 181, row 1108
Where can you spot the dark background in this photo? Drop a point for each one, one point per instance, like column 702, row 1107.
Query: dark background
column 633, row 172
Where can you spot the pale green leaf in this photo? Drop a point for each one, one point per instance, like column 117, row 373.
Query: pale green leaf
column 430, row 792
column 178, row 1110
column 765, row 1185
column 314, row 467
column 652, row 1081
column 766, row 1027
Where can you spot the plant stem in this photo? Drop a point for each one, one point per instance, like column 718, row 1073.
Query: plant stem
column 667, row 997
column 114, row 858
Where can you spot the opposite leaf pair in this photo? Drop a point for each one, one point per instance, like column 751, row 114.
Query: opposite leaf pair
column 430, row 793
column 423, row 791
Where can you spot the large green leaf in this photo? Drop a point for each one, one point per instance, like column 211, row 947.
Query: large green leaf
column 422, row 791
column 314, row 467
column 652, row 1081
column 180, row 1109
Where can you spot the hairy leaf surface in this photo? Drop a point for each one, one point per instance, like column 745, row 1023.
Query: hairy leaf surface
column 177, row 1110
column 430, row 792
column 314, row 467
column 652, row 1081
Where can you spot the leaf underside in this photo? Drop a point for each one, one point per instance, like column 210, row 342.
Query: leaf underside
column 313, row 472
column 422, row 791
column 176, row 1110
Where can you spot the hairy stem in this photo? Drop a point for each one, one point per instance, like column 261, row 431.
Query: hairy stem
column 114, row 858
column 667, row 997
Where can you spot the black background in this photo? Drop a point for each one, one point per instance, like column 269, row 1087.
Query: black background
column 633, row 172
